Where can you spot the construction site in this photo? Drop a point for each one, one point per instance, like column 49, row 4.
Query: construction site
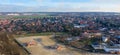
column 44, row 45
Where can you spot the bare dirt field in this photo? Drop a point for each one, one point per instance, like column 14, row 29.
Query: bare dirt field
column 38, row 48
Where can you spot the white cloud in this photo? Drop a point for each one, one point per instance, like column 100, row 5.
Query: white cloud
column 42, row 6
column 106, row 1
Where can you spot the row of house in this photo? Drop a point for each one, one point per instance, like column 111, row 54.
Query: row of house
column 111, row 47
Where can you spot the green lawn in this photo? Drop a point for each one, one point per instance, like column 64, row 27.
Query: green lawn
column 40, row 34
column 28, row 16
column 2, row 17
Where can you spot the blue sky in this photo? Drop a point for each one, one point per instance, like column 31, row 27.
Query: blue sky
column 59, row 6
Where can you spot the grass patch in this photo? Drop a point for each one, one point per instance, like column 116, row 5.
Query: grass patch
column 1, row 17
column 28, row 16
column 40, row 34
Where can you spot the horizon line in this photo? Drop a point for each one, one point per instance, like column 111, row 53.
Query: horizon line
column 61, row 12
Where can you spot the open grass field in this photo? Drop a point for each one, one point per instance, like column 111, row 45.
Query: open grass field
column 39, row 49
column 31, row 16
column 40, row 34
column 25, row 16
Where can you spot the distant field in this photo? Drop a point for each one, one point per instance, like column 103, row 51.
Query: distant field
column 40, row 34
column 25, row 16
column 32, row 16
column 1, row 17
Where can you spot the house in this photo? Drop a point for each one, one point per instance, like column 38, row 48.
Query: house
column 103, row 29
column 80, row 26
column 112, row 48
column 98, row 45
column 105, row 39
column 111, row 31
column 13, row 14
column 106, row 47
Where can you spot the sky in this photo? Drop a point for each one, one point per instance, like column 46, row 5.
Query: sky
column 59, row 5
